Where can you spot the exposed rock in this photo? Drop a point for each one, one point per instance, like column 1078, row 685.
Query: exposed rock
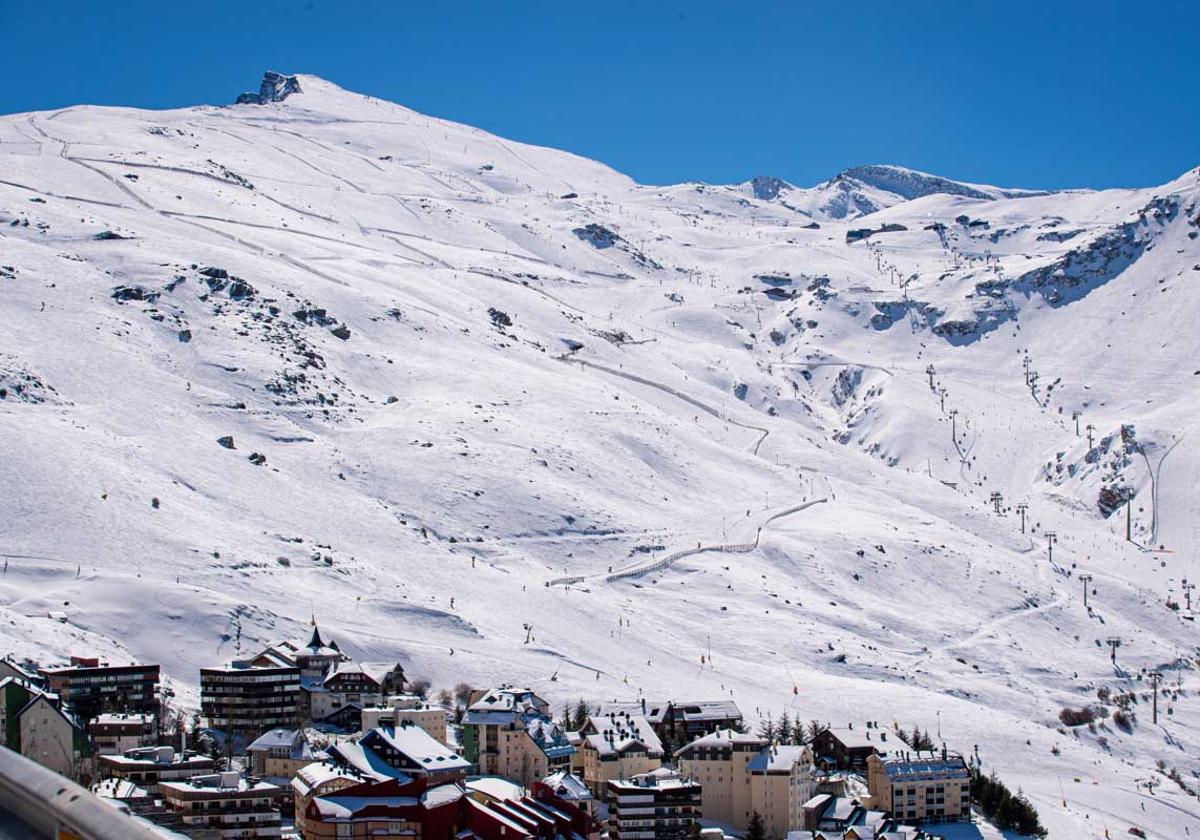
column 341, row 331
column 767, row 188
column 226, row 441
column 275, row 87
column 122, row 294
column 597, row 235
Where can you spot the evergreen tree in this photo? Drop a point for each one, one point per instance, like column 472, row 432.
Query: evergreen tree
column 566, row 720
column 755, row 829
column 784, row 730
column 766, row 729
column 815, row 728
column 582, row 712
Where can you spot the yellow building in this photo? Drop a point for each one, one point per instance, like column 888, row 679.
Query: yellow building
column 617, row 746
column 743, row 774
column 920, row 786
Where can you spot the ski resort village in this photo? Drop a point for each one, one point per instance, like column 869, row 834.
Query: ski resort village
column 368, row 475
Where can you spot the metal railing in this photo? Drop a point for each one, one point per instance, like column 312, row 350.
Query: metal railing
column 56, row 807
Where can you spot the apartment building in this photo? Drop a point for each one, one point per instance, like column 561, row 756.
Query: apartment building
column 91, row 687
column 247, row 699
column 617, row 746
column 742, row 774
column 147, row 766
column 229, row 803
column 921, row 786
column 660, row 805
column 408, row 708
column 115, row 732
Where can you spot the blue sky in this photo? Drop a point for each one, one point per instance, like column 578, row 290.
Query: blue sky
column 1022, row 94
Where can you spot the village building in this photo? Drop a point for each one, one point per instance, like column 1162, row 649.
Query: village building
column 35, row 724
column 243, row 699
column 407, row 749
column 509, row 732
column 230, row 803
column 90, row 687
column 847, row 748
column 333, row 689
column 408, row 708
column 51, row 736
column 314, row 780
column 659, row 805
column 27, row 671
column 921, row 786
column 571, row 788
column 617, row 746
column 680, row 722
column 113, row 733
column 392, row 782
column 147, row 766
column 280, row 753
column 743, row 774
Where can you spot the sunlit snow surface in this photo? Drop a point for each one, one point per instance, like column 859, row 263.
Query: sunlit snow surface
column 516, row 404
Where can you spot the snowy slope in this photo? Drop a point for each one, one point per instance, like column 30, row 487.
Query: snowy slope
column 475, row 367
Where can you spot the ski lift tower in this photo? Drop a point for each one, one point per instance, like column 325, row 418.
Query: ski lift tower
column 1113, row 642
column 1086, row 580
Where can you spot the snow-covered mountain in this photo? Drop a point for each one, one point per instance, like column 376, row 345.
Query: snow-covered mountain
column 862, row 190
column 318, row 354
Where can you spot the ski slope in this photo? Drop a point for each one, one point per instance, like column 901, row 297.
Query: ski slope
column 456, row 369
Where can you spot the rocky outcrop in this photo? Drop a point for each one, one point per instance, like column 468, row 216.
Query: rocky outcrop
column 767, row 188
column 275, row 87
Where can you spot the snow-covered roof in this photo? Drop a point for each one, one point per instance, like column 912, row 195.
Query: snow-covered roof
column 926, row 765
column 662, row 778
column 619, row 732
column 420, row 747
column 495, row 787
column 366, row 761
column 568, row 786
column 439, row 795
column 311, row 776
column 777, row 758
column 345, row 807
column 118, row 789
column 119, row 718
column 294, row 740
column 855, row 738
column 723, row 738
column 274, row 738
